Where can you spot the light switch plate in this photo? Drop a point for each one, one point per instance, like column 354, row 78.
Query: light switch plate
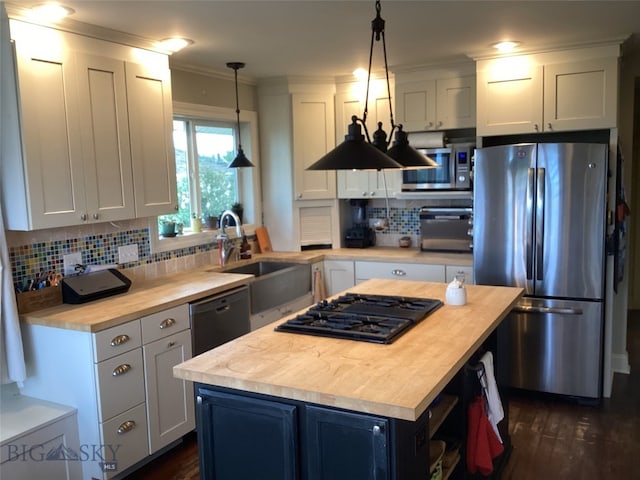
column 69, row 262
column 128, row 253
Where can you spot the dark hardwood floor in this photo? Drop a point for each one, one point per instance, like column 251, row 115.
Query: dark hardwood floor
column 552, row 438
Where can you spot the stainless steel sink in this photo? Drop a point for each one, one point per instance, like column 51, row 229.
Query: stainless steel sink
column 276, row 283
column 260, row 268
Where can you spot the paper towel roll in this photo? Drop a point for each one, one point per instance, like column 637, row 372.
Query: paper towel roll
column 426, row 139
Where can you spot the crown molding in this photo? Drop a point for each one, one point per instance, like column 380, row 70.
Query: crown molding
column 69, row 25
column 488, row 54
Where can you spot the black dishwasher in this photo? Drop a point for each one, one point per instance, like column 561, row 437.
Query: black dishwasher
column 217, row 319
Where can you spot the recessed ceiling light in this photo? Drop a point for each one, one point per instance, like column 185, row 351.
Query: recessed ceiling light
column 360, row 74
column 174, row 44
column 50, row 12
column 506, row 46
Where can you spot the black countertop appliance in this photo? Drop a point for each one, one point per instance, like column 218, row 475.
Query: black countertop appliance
column 360, row 235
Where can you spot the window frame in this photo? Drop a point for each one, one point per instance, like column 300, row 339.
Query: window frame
column 248, row 178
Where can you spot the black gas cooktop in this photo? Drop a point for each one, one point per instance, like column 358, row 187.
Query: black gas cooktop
column 369, row 318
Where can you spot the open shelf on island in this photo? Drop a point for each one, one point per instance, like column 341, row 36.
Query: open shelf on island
column 440, row 411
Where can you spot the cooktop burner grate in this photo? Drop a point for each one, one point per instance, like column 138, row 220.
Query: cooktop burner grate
column 371, row 318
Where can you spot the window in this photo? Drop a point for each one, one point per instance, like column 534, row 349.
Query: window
column 205, row 144
column 206, row 184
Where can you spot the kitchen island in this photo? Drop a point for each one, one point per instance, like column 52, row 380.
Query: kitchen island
column 298, row 406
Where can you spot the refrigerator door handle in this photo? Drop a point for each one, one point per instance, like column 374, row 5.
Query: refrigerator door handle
column 540, row 192
column 551, row 310
column 529, row 220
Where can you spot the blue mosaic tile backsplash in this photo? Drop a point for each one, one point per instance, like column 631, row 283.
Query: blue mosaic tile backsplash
column 28, row 261
column 404, row 221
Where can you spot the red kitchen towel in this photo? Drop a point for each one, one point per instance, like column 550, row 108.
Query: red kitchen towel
column 483, row 444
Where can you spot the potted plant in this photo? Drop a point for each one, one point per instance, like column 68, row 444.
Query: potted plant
column 238, row 209
column 210, row 221
column 167, row 228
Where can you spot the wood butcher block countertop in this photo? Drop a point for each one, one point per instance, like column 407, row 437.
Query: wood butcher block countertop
column 139, row 301
column 174, row 289
column 399, row 380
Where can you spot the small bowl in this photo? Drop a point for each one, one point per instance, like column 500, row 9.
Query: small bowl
column 405, row 242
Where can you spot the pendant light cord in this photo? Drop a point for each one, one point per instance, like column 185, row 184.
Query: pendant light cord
column 377, row 32
column 237, row 108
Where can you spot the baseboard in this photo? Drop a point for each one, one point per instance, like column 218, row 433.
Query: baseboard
column 620, row 363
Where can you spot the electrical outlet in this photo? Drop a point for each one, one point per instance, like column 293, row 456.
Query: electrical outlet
column 128, row 253
column 70, row 261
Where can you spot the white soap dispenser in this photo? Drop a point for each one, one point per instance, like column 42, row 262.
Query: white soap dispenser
column 456, row 293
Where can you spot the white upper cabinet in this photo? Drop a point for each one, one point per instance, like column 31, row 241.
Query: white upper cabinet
column 581, row 95
column 87, row 126
column 48, row 190
column 349, row 101
column 557, row 91
column 297, row 125
column 103, row 123
column 151, row 124
column 435, row 103
column 313, row 126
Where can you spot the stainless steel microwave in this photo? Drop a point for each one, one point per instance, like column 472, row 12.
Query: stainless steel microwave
column 454, row 172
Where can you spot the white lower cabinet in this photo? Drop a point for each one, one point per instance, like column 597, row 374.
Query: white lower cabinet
column 170, row 402
column 338, row 276
column 399, row 271
column 258, row 320
column 464, row 270
column 121, row 382
column 47, row 428
column 124, row 440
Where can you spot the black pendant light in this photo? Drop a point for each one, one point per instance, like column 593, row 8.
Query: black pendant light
column 358, row 152
column 241, row 159
column 408, row 156
column 355, row 153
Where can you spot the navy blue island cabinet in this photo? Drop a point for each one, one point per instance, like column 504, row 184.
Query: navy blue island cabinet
column 247, row 436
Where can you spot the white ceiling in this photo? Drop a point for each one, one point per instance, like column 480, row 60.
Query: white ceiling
column 331, row 37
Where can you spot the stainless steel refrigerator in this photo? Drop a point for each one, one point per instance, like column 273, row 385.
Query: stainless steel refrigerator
column 539, row 224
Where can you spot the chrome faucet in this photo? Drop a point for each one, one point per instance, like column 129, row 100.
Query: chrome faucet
column 225, row 244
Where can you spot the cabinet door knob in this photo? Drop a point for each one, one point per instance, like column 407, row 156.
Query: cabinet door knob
column 167, row 322
column 439, row 123
column 364, row 194
column 299, row 196
column 121, row 369
column 549, row 126
column 176, row 208
column 377, row 430
column 126, row 427
column 536, row 127
column 430, row 124
column 96, row 216
column 373, row 194
column 83, row 217
column 119, row 340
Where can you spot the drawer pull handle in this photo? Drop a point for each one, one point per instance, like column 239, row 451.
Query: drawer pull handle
column 126, row 427
column 121, row 369
column 171, row 344
column 167, row 322
column 398, row 273
column 119, row 340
